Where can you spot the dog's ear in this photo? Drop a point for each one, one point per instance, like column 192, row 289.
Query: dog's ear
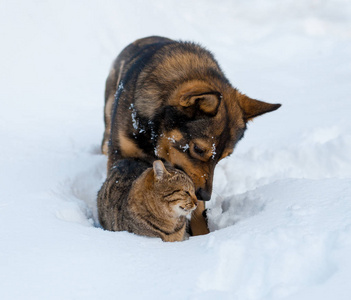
column 207, row 103
column 199, row 95
column 253, row 108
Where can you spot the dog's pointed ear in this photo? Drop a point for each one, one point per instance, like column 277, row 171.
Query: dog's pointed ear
column 201, row 96
column 253, row 108
column 159, row 170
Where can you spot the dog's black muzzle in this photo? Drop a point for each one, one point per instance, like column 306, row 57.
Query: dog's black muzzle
column 203, row 195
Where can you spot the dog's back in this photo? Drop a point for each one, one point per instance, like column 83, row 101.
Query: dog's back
column 131, row 60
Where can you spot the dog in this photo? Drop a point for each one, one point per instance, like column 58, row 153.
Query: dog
column 169, row 100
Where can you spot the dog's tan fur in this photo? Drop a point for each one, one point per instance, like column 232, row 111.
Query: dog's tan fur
column 170, row 100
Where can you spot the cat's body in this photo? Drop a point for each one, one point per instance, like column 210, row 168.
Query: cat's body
column 151, row 201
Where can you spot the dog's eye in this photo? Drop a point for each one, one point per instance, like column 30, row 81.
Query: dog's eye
column 198, row 150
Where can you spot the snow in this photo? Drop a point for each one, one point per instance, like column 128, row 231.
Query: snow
column 280, row 217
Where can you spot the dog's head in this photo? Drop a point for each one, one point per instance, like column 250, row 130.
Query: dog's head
column 202, row 125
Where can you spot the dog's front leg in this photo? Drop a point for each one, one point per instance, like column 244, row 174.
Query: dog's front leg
column 198, row 224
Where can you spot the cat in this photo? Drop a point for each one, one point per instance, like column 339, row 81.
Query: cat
column 150, row 201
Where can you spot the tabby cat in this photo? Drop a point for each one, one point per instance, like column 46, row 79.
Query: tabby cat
column 151, row 201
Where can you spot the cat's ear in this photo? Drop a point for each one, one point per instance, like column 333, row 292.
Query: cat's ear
column 159, row 170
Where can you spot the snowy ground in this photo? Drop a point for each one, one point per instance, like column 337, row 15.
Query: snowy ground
column 280, row 215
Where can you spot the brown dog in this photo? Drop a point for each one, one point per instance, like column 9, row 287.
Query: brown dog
column 170, row 100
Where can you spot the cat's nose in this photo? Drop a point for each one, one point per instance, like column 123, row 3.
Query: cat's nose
column 195, row 201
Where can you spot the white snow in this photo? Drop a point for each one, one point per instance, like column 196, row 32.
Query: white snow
column 280, row 216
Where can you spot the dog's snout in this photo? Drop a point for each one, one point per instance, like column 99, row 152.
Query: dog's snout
column 203, row 195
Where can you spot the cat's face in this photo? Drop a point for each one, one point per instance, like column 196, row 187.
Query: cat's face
column 176, row 189
column 182, row 200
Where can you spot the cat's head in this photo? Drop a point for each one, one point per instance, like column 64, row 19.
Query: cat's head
column 175, row 189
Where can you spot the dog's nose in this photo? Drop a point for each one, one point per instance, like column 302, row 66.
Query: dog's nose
column 203, row 195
